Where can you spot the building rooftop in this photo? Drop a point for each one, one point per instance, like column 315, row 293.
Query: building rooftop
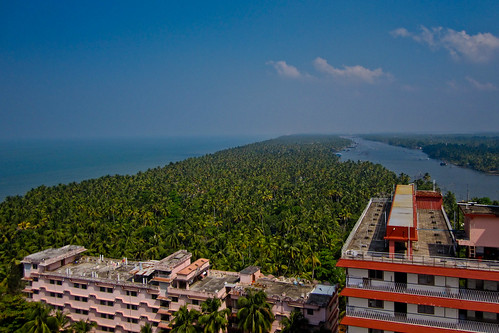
column 52, row 255
column 212, row 284
column 93, row 268
column 169, row 263
column 192, row 267
column 287, row 289
column 117, row 270
column 250, row 270
column 368, row 235
column 476, row 209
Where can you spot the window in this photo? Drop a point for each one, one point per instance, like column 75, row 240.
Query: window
column 85, row 312
column 131, row 293
column 35, row 279
column 133, row 320
column 425, row 279
column 35, row 292
column 59, row 283
column 78, row 311
column 373, row 330
column 106, row 290
column 59, row 295
column 102, row 289
column 154, row 296
column 195, row 302
column 154, row 310
column 428, row 309
column 131, row 306
column 52, row 294
column 110, row 303
column 52, row 281
column 108, row 316
column 83, row 286
column 35, row 266
column 174, row 299
column 76, row 285
column 310, row 312
column 103, row 302
column 375, row 303
column 110, row 290
column 375, row 274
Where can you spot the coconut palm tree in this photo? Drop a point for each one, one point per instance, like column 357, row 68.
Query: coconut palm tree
column 40, row 321
column 147, row 328
column 255, row 313
column 62, row 321
column 212, row 319
column 185, row 320
column 83, row 326
column 296, row 323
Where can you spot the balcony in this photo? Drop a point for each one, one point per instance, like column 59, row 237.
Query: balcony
column 422, row 320
column 447, row 262
column 416, row 289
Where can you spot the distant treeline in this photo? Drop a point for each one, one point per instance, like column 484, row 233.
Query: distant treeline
column 476, row 152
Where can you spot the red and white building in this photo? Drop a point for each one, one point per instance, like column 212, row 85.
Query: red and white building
column 404, row 273
column 121, row 295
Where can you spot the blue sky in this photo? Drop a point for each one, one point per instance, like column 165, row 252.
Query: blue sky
column 164, row 68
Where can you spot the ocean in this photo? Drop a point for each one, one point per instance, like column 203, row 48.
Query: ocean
column 27, row 164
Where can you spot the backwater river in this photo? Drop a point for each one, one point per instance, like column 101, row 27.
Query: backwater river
column 464, row 183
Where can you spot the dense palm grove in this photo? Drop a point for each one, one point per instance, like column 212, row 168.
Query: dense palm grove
column 476, row 152
column 285, row 205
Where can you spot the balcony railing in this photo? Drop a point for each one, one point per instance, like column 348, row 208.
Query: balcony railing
column 399, row 258
column 422, row 320
column 416, row 289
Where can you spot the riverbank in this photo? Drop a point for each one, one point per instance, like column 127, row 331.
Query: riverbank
column 464, row 183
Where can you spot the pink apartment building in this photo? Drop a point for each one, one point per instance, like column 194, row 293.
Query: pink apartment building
column 122, row 295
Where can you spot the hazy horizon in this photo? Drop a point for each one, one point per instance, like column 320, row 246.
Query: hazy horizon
column 115, row 70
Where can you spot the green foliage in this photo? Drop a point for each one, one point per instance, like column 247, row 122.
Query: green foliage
column 13, row 312
column 255, row 313
column 213, row 320
column 185, row 321
column 296, row 323
column 147, row 328
column 83, row 326
column 40, row 320
column 476, row 152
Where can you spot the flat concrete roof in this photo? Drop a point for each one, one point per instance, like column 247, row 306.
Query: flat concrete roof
column 476, row 209
column 173, row 260
column 213, row 284
column 275, row 288
column 112, row 270
column 434, row 236
column 51, row 253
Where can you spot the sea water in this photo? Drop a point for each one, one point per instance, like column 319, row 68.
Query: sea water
column 27, row 164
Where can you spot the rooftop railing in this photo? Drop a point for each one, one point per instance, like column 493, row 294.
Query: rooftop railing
column 423, row 320
column 399, row 258
column 423, row 290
